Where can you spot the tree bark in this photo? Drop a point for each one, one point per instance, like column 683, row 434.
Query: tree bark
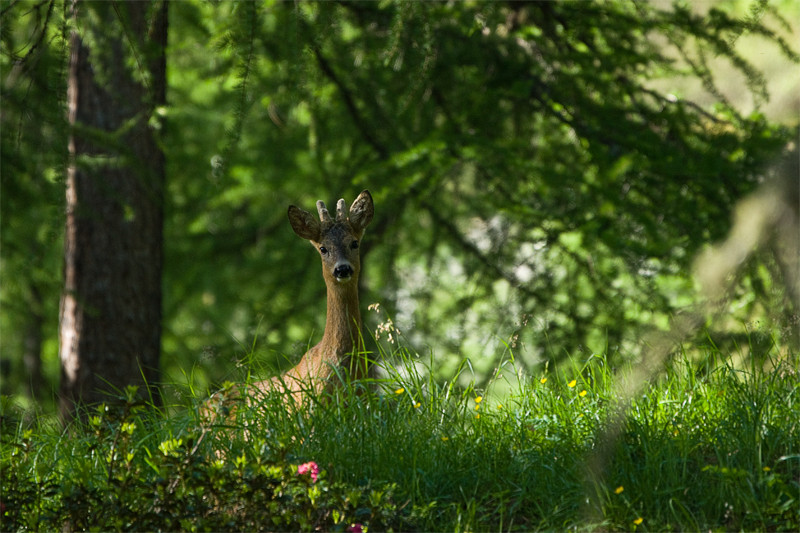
column 110, row 318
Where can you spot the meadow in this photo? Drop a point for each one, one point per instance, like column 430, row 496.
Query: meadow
column 703, row 445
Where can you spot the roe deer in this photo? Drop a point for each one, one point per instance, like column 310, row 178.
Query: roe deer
column 341, row 347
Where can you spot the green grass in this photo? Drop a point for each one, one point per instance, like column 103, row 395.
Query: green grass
column 703, row 447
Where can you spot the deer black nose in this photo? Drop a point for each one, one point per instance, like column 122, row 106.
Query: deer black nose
column 343, row 272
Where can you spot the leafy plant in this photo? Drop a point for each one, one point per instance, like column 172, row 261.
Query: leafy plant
column 702, row 448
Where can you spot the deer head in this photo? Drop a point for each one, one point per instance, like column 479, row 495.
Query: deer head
column 337, row 241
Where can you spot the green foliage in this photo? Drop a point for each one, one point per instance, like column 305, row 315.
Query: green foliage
column 129, row 469
column 701, row 449
column 529, row 182
column 536, row 177
column 33, row 151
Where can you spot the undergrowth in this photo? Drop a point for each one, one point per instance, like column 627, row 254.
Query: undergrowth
column 704, row 447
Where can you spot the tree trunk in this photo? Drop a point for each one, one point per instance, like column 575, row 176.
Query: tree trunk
column 110, row 330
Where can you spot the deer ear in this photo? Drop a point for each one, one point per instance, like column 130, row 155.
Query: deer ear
column 305, row 225
column 361, row 211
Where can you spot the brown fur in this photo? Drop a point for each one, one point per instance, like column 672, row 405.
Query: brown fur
column 341, row 348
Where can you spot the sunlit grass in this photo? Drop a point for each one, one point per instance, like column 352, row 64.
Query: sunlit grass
column 703, row 447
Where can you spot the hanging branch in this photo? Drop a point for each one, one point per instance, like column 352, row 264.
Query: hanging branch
column 349, row 102
column 245, row 54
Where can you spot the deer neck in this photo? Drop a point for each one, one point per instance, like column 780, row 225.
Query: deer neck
column 343, row 323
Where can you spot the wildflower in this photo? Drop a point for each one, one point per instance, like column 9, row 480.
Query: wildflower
column 388, row 328
column 401, row 390
column 572, row 383
column 355, row 528
column 582, row 393
column 543, row 380
column 417, row 404
column 766, row 469
column 374, row 307
column 445, row 439
column 638, row 521
column 619, row 490
column 478, row 399
column 310, row 468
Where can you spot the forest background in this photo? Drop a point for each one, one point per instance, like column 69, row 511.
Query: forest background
column 545, row 176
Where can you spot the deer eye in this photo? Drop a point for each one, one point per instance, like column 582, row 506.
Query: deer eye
column 354, row 245
column 323, row 250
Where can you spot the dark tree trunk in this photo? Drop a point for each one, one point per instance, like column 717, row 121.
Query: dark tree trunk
column 110, row 330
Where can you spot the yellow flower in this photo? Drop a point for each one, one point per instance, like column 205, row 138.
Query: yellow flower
column 478, row 406
column 478, row 399
column 416, row 405
column 445, row 439
column 572, row 383
column 401, row 390
column 478, row 415
column 766, row 469
column 619, row 490
column 582, row 393
column 499, row 405
column 638, row 521
column 543, row 381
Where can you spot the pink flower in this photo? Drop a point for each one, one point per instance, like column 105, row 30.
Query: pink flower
column 355, row 528
column 309, row 468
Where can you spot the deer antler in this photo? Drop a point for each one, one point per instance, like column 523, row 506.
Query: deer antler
column 324, row 216
column 341, row 210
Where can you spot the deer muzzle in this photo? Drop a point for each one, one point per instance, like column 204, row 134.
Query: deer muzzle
column 343, row 272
